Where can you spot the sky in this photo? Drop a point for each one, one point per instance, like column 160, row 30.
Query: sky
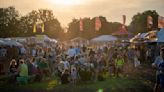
column 66, row 10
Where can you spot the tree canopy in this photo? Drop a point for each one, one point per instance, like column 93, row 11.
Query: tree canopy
column 139, row 21
column 13, row 25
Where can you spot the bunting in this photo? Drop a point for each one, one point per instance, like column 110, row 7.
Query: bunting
column 97, row 24
column 160, row 22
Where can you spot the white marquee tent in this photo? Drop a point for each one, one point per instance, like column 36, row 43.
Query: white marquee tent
column 104, row 38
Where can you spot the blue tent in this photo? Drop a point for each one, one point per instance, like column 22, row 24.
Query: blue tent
column 160, row 35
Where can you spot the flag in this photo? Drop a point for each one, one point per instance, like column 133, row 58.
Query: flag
column 97, row 23
column 42, row 27
column 160, row 22
column 124, row 19
column 81, row 25
column 38, row 27
column 34, row 28
column 149, row 22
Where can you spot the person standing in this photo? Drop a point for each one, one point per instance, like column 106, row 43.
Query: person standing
column 65, row 77
column 74, row 75
column 23, row 72
column 159, row 85
column 13, row 69
column 71, row 52
column 44, row 68
column 23, row 69
column 119, row 62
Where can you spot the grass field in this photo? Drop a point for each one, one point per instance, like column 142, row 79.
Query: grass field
column 138, row 82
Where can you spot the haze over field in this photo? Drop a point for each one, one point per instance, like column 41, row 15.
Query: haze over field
column 66, row 10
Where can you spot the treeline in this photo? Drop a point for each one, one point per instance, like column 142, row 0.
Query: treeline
column 12, row 24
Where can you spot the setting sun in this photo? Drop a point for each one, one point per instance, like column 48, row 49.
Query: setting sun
column 66, row 2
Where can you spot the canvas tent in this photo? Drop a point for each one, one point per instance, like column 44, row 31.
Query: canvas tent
column 10, row 43
column 150, row 36
column 2, row 43
column 44, row 38
column 139, row 37
column 121, row 31
column 104, row 38
column 78, row 39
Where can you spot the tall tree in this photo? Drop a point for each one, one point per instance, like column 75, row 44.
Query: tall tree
column 73, row 28
column 9, row 22
column 52, row 26
column 139, row 21
column 89, row 28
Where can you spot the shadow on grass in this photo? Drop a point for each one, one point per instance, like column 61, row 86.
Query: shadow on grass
column 109, row 85
column 140, row 81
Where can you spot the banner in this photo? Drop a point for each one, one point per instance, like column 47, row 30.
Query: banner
column 81, row 25
column 38, row 27
column 149, row 22
column 34, row 28
column 40, row 38
column 42, row 27
column 124, row 19
column 97, row 24
column 160, row 22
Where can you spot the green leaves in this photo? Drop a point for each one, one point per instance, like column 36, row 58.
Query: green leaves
column 14, row 25
column 139, row 21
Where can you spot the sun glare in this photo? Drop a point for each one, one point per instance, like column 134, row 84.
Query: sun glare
column 66, row 2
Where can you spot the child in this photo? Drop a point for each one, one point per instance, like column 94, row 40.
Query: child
column 74, row 75
column 136, row 62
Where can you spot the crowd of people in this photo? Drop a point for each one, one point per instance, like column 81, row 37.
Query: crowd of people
column 73, row 63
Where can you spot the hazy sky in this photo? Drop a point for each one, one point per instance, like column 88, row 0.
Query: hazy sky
column 66, row 10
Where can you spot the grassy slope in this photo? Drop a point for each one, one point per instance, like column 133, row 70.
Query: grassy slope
column 138, row 82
